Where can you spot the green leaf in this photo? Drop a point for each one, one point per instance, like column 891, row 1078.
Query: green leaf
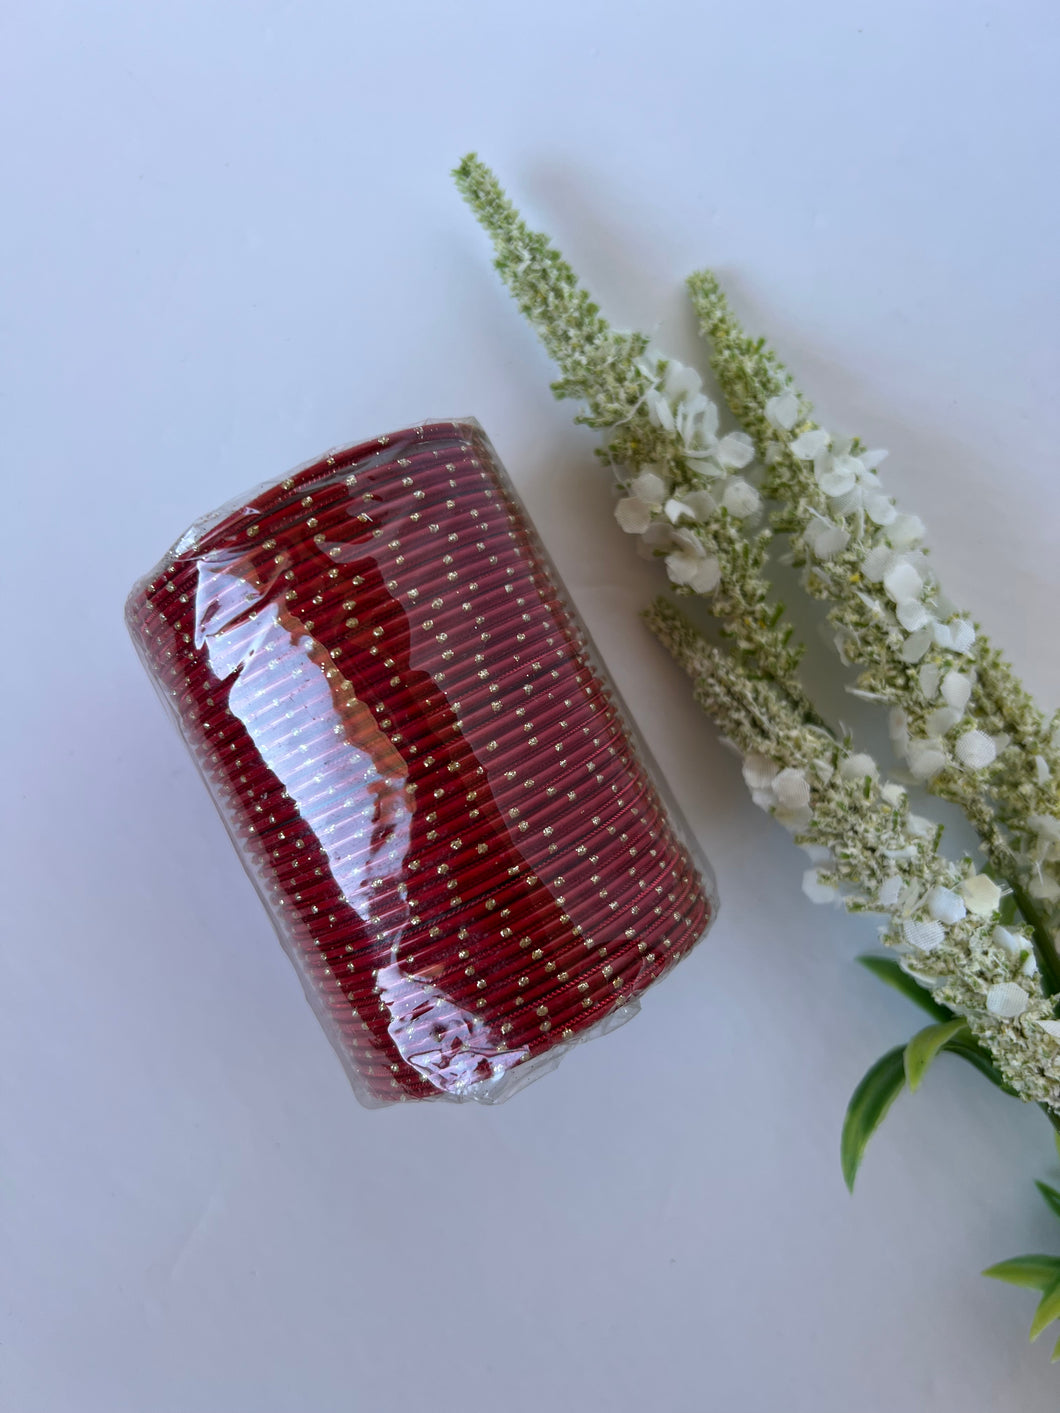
column 1048, row 1309
column 925, row 1045
column 1032, row 1272
column 868, row 1108
column 888, row 971
column 977, row 1057
column 1052, row 1197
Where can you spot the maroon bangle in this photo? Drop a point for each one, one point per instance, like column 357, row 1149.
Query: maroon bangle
column 425, row 770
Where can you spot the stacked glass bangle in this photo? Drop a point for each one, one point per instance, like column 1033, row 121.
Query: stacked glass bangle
column 426, row 772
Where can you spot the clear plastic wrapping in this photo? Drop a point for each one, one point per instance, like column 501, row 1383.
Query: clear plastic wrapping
column 425, row 770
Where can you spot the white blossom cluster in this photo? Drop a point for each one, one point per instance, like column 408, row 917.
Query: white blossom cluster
column 922, row 909
column 899, row 591
column 670, row 504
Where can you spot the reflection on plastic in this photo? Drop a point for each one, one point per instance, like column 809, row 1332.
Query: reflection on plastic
column 424, row 769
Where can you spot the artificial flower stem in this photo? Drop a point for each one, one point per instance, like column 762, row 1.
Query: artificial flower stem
column 606, row 371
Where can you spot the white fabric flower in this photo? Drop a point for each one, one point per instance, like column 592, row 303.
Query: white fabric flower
column 912, row 615
column 847, row 479
column 1046, row 827
column 924, row 936
column 902, row 582
column 941, row 720
column 928, row 677
column 915, row 646
column 1010, row 942
column 818, row 855
column 759, row 771
column 701, row 504
column 905, row 531
column 945, row 906
column 697, row 423
column 893, row 793
column 660, row 413
column 976, row 750
column 784, row 793
column 650, row 487
column 633, row 515
column 956, row 690
column 699, row 572
column 741, row 499
column 890, row 891
column 792, row 789
column 825, row 539
column 811, row 444
column 675, row 511
column 734, row 451
column 962, row 634
column 1044, row 887
column 838, row 474
column 1051, row 1027
column 981, row 894
column 681, row 408
column 782, row 411
column 926, row 758
column 880, row 509
column 1007, row 1000
column 958, row 636
column 681, row 381
column 647, row 495
column 858, row 766
column 878, row 563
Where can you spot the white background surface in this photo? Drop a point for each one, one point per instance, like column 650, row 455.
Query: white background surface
column 230, row 242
